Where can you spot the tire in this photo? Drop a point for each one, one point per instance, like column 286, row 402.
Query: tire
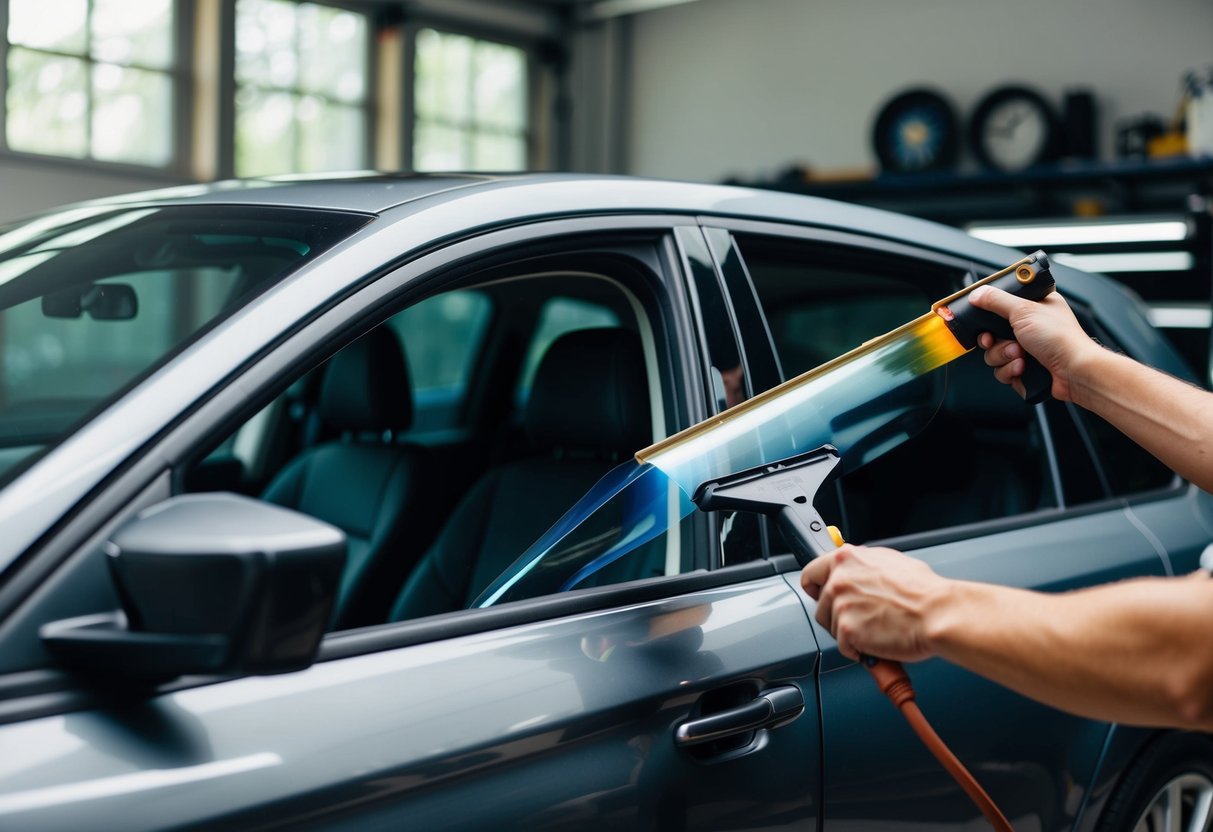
column 1173, row 773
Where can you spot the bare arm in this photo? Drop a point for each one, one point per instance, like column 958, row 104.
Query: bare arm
column 1136, row 652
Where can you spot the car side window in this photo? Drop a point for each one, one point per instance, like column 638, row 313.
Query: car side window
column 982, row 457
column 433, row 518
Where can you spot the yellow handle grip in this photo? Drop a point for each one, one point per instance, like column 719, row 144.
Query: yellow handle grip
column 835, row 535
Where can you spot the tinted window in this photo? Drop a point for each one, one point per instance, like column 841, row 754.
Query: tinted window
column 983, row 455
column 92, row 299
column 1081, row 481
column 1127, row 467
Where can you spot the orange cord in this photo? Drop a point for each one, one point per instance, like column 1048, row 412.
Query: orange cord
column 894, row 683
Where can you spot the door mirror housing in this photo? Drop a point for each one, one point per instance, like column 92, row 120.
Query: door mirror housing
column 209, row 584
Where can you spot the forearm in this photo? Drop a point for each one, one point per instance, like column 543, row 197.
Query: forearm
column 1136, row 652
column 1169, row 418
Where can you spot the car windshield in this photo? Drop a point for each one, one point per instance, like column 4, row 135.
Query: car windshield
column 94, row 298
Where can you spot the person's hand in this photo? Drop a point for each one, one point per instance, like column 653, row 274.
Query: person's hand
column 874, row 601
column 1046, row 329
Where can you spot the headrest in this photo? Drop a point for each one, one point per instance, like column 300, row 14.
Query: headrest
column 591, row 392
column 366, row 386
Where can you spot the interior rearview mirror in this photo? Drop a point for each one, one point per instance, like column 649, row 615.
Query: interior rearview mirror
column 102, row 302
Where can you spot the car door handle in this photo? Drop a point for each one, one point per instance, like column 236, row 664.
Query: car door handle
column 771, row 709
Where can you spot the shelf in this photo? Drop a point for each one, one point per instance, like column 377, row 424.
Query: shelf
column 1125, row 187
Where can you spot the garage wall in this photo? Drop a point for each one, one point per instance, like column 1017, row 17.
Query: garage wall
column 722, row 88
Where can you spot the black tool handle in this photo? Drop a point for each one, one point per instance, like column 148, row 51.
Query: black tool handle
column 805, row 532
column 1031, row 280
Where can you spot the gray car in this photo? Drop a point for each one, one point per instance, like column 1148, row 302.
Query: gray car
column 263, row 445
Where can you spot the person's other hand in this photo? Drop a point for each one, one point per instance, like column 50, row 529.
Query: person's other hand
column 874, row 601
column 1046, row 329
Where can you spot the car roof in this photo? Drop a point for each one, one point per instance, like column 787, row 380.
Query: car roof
column 517, row 197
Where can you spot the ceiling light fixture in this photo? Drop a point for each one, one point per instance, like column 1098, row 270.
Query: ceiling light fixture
column 1083, row 233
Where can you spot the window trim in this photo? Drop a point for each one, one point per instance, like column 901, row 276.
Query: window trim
column 179, row 72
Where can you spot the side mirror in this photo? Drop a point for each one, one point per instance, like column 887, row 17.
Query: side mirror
column 209, row 584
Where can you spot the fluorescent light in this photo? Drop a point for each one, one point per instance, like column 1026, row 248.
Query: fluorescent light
column 1082, row 233
column 1137, row 261
column 1190, row 316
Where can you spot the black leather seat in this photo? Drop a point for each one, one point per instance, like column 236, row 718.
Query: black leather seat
column 362, row 482
column 588, row 409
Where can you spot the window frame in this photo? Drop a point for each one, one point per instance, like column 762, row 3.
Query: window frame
column 179, row 73
column 529, row 47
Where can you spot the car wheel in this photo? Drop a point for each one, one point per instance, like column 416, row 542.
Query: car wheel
column 1169, row 788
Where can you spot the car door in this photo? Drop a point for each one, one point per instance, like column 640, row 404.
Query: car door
column 982, row 494
column 550, row 712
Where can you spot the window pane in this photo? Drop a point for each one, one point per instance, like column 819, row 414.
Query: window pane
column 498, row 153
column 132, row 115
column 438, row 147
column 48, row 24
column 442, row 85
column 331, row 136
column 332, row 51
column 265, row 138
column 265, row 43
column 1130, row 468
column 500, row 86
column 46, row 103
column 133, row 32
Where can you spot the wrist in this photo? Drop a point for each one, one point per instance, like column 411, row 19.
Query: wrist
column 1084, row 371
column 949, row 615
